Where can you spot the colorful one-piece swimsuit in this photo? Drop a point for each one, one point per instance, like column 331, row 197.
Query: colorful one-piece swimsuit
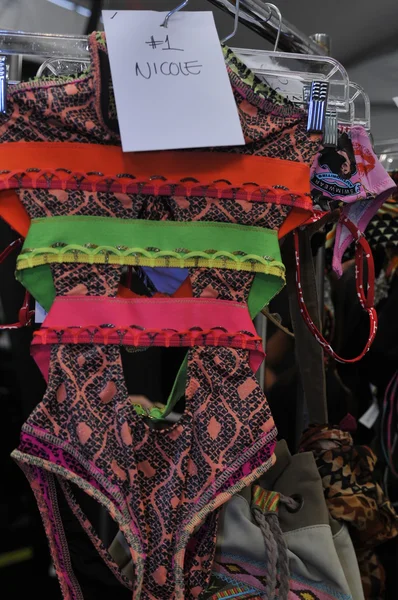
column 90, row 206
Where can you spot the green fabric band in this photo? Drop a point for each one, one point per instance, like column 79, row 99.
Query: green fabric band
column 130, row 241
column 102, row 240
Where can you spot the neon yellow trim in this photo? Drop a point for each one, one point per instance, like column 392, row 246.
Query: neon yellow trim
column 251, row 263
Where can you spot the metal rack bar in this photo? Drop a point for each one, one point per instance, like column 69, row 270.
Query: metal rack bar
column 43, row 44
column 255, row 14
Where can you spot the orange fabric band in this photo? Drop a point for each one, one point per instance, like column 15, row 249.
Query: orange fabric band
column 13, row 213
column 205, row 167
column 65, row 165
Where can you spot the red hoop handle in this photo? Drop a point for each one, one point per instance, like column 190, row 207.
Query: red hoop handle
column 366, row 300
column 25, row 315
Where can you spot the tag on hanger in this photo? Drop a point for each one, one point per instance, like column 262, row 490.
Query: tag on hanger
column 171, row 85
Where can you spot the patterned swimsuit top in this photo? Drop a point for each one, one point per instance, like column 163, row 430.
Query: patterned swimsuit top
column 215, row 214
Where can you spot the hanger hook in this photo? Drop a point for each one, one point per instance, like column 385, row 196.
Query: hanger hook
column 236, row 23
column 172, row 12
column 279, row 15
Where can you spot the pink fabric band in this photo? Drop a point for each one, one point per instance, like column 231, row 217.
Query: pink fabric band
column 147, row 322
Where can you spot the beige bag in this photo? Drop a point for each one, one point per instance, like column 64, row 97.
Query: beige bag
column 320, row 557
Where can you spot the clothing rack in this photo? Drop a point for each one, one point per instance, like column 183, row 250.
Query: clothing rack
column 255, row 14
column 49, row 45
column 258, row 17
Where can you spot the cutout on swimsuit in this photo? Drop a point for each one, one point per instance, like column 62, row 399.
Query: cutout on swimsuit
column 165, row 392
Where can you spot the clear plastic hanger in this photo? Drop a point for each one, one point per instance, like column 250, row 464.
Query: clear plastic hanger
column 290, row 74
column 359, row 108
column 48, row 45
column 58, row 67
column 319, row 82
column 63, row 48
column 361, row 102
column 255, row 15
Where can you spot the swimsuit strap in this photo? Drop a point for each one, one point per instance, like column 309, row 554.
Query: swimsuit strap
column 25, row 315
column 161, row 412
column 362, row 250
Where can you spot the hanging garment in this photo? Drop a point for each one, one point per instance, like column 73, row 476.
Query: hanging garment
column 284, row 539
column 353, row 176
column 282, row 134
column 162, row 486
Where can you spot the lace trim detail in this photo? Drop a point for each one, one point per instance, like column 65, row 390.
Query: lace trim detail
column 149, row 257
column 156, row 185
column 135, row 335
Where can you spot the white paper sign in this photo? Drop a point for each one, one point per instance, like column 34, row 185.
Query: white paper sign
column 171, row 85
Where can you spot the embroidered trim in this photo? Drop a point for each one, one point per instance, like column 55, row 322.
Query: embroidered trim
column 135, row 335
column 99, row 240
column 157, row 185
column 148, row 257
